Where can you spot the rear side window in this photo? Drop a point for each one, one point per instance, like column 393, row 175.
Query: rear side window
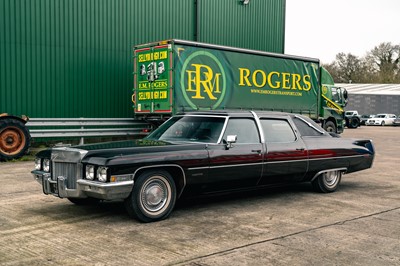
column 277, row 131
column 305, row 129
column 245, row 129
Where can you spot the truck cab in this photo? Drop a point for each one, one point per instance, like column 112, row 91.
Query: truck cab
column 333, row 101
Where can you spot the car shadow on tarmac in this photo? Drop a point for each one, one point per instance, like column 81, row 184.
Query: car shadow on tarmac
column 61, row 209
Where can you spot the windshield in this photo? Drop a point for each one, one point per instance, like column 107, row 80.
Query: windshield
column 190, row 128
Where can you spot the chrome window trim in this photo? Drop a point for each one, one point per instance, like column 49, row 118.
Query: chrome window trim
column 260, row 128
column 309, row 124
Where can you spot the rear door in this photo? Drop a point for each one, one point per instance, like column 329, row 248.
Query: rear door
column 286, row 157
column 152, row 91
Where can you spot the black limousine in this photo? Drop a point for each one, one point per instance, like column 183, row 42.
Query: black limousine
column 201, row 153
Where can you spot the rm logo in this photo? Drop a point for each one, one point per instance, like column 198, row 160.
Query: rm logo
column 203, row 80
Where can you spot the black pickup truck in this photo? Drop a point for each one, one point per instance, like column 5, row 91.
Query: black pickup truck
column 201, row 153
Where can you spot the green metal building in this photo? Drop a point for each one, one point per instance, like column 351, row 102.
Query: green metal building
column 73, row 58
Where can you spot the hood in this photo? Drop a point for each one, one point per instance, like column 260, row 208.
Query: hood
column 108, row 152
column 126, row 152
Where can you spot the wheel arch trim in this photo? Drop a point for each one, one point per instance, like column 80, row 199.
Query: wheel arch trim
column 163, row 166
column 343, row 170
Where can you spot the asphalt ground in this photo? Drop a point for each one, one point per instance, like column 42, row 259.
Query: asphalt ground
column 357, row 225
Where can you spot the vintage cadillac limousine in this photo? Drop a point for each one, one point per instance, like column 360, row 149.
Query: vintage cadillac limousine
column 201, row 153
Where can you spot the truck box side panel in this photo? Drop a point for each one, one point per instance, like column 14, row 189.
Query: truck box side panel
column 207, row 78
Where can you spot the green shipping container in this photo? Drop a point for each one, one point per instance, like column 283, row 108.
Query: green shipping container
column 73, row 58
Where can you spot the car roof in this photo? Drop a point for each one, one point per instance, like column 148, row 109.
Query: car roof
column 241, row 113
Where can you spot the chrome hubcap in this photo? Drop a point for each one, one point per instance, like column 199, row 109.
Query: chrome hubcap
column 154, row 195
column 331, row 178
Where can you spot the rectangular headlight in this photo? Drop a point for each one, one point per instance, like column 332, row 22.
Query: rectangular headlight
column 46, row 165
column 38, row 163
column 89, row 172
column 102, row 174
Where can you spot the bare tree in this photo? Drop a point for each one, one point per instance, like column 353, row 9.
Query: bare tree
column 384, row 62
column 380, row 65
column 347, row 68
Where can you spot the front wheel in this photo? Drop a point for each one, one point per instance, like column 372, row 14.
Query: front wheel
column 383, row 123
column 330, row 127
column 153, row 196
column 327, row 182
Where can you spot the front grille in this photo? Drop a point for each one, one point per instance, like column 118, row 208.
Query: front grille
column 71, row 171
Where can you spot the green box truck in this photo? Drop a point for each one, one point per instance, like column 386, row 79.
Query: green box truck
column 174, row 76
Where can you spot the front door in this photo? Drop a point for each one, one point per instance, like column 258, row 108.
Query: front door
column 241, row 165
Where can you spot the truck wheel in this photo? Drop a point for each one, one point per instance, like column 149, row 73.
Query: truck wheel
column 14, row 139
column 330, row 127
column 354, row 122
column 327, row 182
column 153, row 196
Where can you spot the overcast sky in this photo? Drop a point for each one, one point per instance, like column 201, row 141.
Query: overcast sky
column 324, row 28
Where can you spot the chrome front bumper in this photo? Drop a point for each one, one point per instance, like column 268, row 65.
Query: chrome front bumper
column 83, row 189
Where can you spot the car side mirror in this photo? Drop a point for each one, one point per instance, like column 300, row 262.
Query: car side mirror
column 345, row 96
column 230, row 139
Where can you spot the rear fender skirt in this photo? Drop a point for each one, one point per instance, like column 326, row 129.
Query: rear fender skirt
column 343, row 170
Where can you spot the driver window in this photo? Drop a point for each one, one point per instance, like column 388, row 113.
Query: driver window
column 244, row 128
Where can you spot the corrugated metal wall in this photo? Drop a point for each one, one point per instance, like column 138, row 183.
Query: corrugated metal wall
column 258, row 25
column 374, row 103
column 73, row 58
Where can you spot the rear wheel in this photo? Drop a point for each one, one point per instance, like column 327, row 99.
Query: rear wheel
column 327, row 182
column 14, row 139
column 153, row 196
column 354, row 122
